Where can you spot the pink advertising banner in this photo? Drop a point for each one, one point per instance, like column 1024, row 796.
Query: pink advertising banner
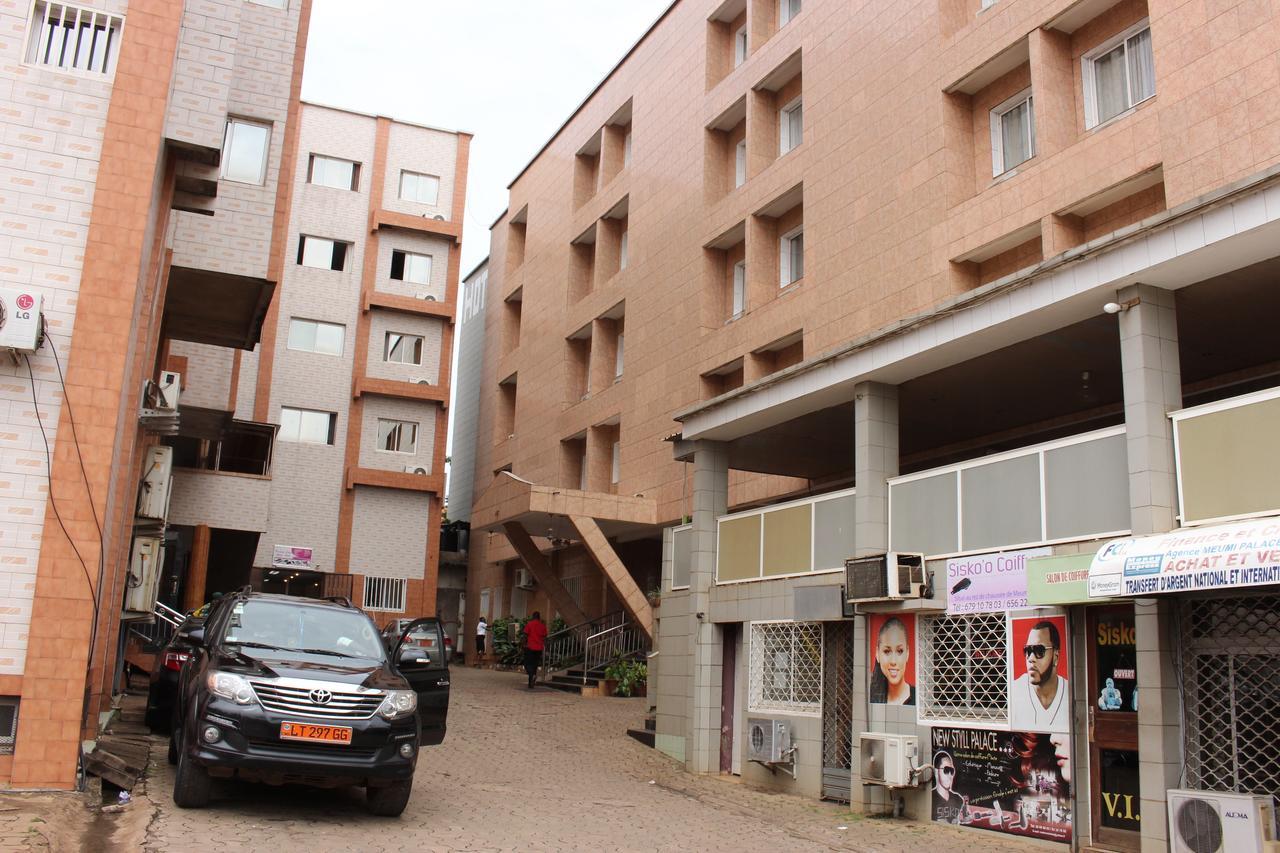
column 989, row 583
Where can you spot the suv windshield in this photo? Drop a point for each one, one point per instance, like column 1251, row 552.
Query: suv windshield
column 313, row 630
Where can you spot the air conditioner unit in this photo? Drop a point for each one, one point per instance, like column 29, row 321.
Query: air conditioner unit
column 144, row 575
column 418, row 380
column 425, row 296
column 768, row 740
column 524, row 579
column 885, row 577
column 21, row 320
column 888, row 759
column 1212, row 822
column 169, row 387
column 157, row 479
column 415, row 469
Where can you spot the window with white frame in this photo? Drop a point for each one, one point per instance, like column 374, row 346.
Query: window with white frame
column 582, row 475
column 333, row 172
column 306, row 426
column 787, row 9
column 274, row 4
column 615, row 470
column 397, row 436
column 618, row 357
column 74, row 38
column 415, row 186
column 316, row 336
column 987, row 4
column 790, row 126
column 8, row 724
column 322, row 253
column 388, row 593
column 626, row 148
column 739, row 289
column 1013, row 133
column 622, row 249
column 1118, row 75
column 400, row 348
column 740, row 163
column 786, row 667
column 963, row 672
column 244, row 151
column 791, row 257
column 410, row 266
column 740, row 47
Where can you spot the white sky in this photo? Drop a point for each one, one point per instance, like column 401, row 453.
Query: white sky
column 508, row 71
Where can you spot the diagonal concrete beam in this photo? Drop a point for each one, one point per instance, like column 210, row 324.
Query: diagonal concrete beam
column 602, row 553
column 546, row 576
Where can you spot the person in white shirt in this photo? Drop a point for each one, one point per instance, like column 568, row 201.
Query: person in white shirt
column 482, row 628
column 1038, row 698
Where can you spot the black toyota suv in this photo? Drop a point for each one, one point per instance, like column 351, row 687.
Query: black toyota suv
column 296, row 690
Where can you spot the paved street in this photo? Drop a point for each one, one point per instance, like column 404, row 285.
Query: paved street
column 520, row 770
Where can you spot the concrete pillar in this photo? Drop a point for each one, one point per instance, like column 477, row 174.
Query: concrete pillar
column 710, row 501
column 197, row 568
column 1153, row 388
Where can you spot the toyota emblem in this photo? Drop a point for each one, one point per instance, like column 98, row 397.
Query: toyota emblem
column 321, row 697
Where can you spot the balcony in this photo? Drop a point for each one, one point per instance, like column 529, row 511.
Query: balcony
column 783, row 540
column 219, row 499
column 1228, row 467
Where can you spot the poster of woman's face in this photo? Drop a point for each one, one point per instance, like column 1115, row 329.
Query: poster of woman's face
column 893, row 664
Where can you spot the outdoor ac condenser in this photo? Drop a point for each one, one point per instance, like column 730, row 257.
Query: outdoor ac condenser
column 524, row 579
column 768, row 740
column 144, row 575
column 888, row 759
column 1214, row 822
column 157, row 479
column 885, row 577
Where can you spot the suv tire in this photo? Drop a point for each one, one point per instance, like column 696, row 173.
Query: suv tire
column 389, row 800
column 191, row 784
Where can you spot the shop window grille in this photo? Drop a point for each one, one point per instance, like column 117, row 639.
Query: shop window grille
column 74, row 38
column 963, row 673
column 786, row 667
column 8, row 723
column 837, row 710
column 1231, row 681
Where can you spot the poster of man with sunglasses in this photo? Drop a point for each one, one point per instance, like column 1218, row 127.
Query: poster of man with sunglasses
column 1038, row 700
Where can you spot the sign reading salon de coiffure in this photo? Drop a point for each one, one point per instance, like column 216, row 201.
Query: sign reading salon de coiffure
column 1221, row 556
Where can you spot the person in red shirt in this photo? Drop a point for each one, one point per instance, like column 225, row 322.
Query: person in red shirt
column 535, row 637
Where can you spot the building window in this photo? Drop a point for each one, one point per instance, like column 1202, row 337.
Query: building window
column 274, row 4
column 626, row 149
column 389, row 593
column 739, row 289
column 616, row 465
column 740, row 47
column 8, row 724
column 424, row 189
column 1013, row 133
column 618, row 357
column 410, row 266
column 790, row 126
column 987, row 4
column 321, row 253
column 397, row 436
column 402, row 349
column 787, row 9
column 333, row 172
column 315, row 336
column 963, row 668
column 244, row 151
column 306, row 426
column 791, row 257
column 1118, row 75
column 740, row 163
column 73, row 38
column 786, row 667
column 622, row 250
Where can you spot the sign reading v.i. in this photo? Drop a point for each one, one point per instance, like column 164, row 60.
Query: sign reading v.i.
column 1118, row 780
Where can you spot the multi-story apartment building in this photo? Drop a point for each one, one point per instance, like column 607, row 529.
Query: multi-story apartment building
column 346, row 497
column 144, row 167
column 988, row 281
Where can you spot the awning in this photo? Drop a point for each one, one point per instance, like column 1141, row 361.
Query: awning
column 1221, row 556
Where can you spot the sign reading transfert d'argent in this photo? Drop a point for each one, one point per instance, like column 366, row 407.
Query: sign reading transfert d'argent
column 1223, row 556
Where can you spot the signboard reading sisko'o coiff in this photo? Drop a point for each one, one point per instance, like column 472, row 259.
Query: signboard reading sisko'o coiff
column 989, row 583
column 1224, row 556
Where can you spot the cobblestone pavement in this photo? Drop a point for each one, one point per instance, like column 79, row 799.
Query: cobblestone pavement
column 536, row 770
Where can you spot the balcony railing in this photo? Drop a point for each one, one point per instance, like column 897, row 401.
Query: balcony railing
column 784, row 540
column 1061, row 491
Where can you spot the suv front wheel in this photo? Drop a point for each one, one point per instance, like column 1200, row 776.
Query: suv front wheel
column 388, row 800
column 191, row 783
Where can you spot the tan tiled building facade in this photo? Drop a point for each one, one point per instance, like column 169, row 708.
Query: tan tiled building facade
column 804, row 281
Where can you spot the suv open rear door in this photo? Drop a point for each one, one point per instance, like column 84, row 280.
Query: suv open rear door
column 421, row 657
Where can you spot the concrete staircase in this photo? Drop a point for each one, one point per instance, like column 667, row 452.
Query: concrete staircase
column 648, row 734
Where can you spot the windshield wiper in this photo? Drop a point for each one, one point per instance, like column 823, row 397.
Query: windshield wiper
column 252, row 645
column 327, row 652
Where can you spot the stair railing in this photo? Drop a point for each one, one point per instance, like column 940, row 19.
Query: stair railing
column 159, row 631
column 624, row 640
column 564, row 649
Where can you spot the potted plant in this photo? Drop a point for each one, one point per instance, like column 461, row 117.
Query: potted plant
column 655, row 596
column 625, row 677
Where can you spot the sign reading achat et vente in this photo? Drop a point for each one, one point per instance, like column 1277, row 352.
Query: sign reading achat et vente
column 1223, row 556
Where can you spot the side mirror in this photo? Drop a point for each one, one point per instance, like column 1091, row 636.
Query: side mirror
column 195, row 636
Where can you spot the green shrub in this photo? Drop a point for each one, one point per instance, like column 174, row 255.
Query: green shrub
column 628, row 673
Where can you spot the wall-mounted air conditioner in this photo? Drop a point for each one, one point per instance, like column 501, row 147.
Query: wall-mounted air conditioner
column 427, row 297
column 889, row 760
column 169, row 388
column 885, row 577
column 768, row 740
column 144, row 575
column 156, row 482
column 419, row 380
column 21, row 322
column 524, row 579
column 415, row 469
column 1213, row 822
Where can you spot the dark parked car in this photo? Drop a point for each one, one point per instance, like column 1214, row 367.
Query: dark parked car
column 163, row 689
column 296, row 690
column 426, row 637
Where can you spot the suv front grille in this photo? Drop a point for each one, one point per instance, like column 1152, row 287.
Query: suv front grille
column 295, row 697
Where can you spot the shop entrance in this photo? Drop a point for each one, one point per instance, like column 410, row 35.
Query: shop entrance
column 837, row 711
column 1113, row 727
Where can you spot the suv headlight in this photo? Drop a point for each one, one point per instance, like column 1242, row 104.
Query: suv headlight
column 399, row 703
column 229, row 686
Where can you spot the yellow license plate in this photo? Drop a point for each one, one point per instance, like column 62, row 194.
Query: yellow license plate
column 309, row 731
